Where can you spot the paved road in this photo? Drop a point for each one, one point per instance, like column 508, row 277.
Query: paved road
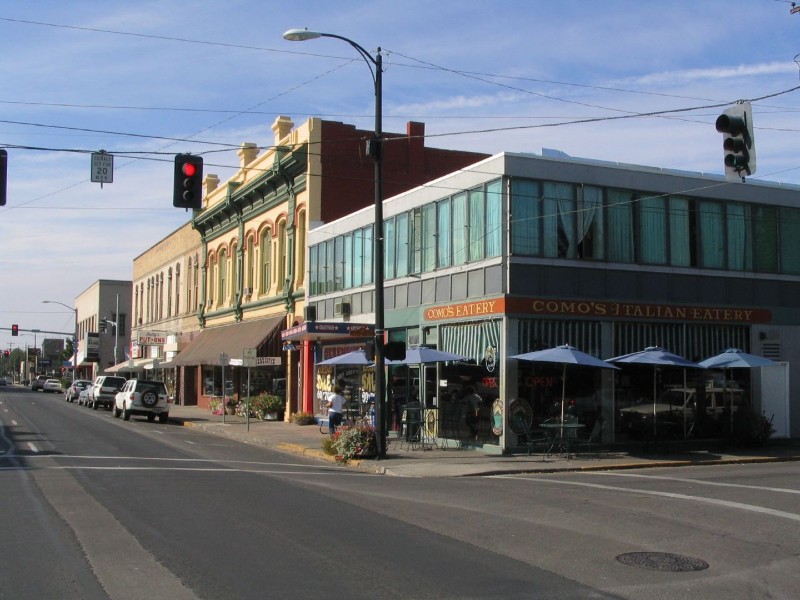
column 142, row 510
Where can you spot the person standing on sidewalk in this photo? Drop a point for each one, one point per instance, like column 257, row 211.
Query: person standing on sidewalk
column 335, row 408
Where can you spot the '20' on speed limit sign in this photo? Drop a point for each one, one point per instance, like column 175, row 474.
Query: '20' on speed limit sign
column 102, row 167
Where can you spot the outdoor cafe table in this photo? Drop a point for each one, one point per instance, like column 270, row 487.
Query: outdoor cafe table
column 561, row 434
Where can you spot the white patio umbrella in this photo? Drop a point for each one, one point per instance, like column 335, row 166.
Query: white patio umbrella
column 356, row 358
column 423, row 355
column 734, row 358
column 657, row 357
column 564, row 355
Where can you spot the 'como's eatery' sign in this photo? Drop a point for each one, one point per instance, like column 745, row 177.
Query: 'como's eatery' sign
column 596, row 309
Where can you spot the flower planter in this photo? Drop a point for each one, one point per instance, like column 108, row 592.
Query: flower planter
column 271, row 416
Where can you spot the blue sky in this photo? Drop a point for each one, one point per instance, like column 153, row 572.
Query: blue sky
column 149, row 79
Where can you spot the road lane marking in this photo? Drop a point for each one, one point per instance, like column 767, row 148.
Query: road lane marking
column 759, row 488
column 33, row 447
column 673, row 495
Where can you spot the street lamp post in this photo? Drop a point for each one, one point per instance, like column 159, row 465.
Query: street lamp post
column 74, row 337
column 375, row 64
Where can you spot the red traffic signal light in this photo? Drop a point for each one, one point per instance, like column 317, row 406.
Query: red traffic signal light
column 7, row 353
column 15, row 329
column 187, row 188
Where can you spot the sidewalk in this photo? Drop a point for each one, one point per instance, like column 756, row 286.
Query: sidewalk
column 437, row 462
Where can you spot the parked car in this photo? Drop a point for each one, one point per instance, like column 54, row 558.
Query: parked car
column 52, row 385
column 142, row 397
column 83, row 395
column 103, row 390
column 38, row 383
column 3, row 381
column 76, row 387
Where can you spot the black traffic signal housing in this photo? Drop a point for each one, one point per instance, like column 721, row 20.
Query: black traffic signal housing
column 188, row 185
column 103, row 325
column 3, row 175
column 736, row 127
column 395, row 350
column 15, row 329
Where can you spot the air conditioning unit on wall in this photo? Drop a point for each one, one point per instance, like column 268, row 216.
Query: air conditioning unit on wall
column 341, row 309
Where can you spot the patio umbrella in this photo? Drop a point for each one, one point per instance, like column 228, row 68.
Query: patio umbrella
column 356, row 358
column 657, row 357
column 734, row 358
column 564, row 355
column 423, row 355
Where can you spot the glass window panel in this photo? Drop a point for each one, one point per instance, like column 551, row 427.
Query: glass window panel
column 680, row 244
column 740, row 238
column 429, row 237
column 559, row 220
column 765, row 230
column 338, row 262
column 653, row 231
column 620, row 226
column 444, row 234
column 712, row 235
column 402, row 226
column 348, row 261
column 416, row 235
column 313, row 273
column 329, row 266
column 477, row 226
column 389, row 248
column 591, row 224
column 790, row 240
column 358, row 257
column 369, row 253
column 494, row 218
column 525, row 217
column 460, row 228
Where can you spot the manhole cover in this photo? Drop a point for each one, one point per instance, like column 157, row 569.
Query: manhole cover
column 662, row 561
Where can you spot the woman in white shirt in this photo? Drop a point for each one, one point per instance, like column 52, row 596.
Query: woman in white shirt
column 335, row 407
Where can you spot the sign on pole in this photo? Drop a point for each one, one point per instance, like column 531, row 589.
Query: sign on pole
column 102, row 167
column 249, row 357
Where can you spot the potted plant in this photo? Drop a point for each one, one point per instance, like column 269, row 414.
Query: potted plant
column 267, row 406
column 358, row 441
column 216, row 406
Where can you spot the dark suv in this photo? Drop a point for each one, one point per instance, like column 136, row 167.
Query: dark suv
column 104, row 388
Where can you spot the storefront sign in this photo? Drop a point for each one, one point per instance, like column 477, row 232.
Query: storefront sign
column 629, row 310
column 466, row 310
column 151, row 339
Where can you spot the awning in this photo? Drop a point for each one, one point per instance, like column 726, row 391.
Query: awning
column 135, row 365
column 230, row 339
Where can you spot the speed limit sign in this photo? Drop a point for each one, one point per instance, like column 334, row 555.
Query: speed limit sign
column 102, row 167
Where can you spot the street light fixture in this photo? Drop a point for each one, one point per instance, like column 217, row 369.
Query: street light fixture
column 74, row 337
column 375, row 65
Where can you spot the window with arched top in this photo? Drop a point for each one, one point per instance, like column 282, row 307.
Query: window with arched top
column 169, row 293
column 222, row 277
column 177, row 288
column 280, row 276
column 234, row 271
column 265, row 245
column 249, row 264
column 300, row 261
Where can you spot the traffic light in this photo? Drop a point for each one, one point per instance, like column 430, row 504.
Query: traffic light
column 395, row 350
column 188, row 185
column 103, row 325
column 7, row 353
column 15, row 329
column 736, row 127
column 3, row 175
